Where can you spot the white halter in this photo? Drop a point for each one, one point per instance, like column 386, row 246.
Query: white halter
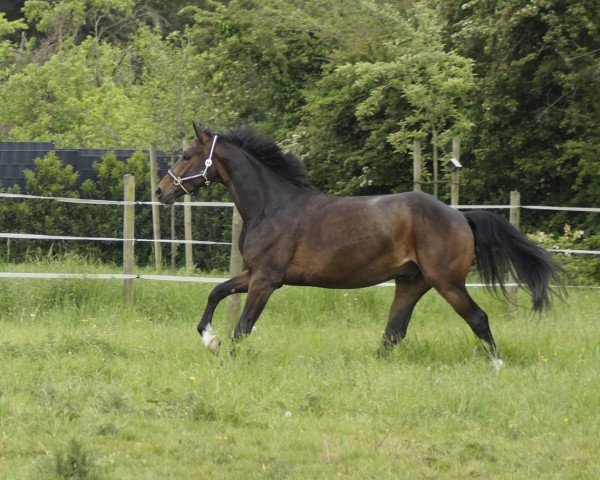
column 178, row 181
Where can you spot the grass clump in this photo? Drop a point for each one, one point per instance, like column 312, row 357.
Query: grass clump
column 75, row 462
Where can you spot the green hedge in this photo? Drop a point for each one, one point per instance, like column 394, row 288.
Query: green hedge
column 51, row 178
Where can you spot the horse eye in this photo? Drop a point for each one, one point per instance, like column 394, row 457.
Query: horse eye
column 186, row 156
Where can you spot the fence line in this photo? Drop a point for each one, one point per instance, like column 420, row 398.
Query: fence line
column 109, row 276
column 188, row 279
column 128, row 276
column 35, row 236
column 230, row 204
column 90, row 201
column 563, row 209
column 568, row 251
column 25, row 236
column 527, row 207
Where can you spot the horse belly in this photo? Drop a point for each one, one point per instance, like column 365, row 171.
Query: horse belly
column 353, row 264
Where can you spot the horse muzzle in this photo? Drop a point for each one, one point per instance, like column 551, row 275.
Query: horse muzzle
column 165, row 197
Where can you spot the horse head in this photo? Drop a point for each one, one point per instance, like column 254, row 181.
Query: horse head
column 195, row 168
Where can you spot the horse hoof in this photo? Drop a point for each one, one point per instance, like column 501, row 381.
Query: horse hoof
column 497, row 364
column 210, row 341
column 213, row 345
column 383, row 351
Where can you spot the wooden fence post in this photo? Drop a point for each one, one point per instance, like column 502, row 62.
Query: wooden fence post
column 515, row 220
column 173, row 243
column 128, row 237
column 187, row 227
column 417, row 166
column 454, row 175
column 236, row 265
column 155, row 210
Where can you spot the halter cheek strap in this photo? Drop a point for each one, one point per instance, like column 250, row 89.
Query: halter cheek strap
column 178, row 181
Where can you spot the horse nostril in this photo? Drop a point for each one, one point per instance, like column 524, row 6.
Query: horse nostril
column 158, row 191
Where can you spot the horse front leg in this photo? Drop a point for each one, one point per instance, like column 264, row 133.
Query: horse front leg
column 238, row 284
column 259, row 292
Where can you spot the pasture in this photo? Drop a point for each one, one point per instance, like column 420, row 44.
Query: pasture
column 92, row 390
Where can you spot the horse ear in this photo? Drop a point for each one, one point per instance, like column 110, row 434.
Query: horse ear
column 202, row 133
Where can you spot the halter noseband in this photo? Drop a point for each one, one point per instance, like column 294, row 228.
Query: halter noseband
column 178, row 181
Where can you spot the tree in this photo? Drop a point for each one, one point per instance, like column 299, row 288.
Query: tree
column 254, row 60
column 67, row 100
column 164, row 86
column 346, row 84
column 8, row 50
column 68, row 20
column 437, row 86
column 362, row 118
column 537, row 110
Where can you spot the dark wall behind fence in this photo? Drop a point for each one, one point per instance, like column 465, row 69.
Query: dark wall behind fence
column 16, row 157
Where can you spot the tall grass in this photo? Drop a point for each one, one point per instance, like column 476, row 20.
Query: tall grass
column 89, row 389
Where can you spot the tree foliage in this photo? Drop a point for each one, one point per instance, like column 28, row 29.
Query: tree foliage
column 347, row 85
column 537, row 109
column 362, row 117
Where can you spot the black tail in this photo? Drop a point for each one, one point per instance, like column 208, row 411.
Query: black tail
column 500, row 248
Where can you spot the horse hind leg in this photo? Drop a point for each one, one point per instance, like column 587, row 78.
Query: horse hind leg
column 458, row 297
column 408, row 292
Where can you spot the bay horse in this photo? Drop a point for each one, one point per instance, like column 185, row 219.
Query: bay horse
column 294, row 234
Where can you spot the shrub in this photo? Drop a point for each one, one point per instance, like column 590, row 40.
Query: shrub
column 581, row 268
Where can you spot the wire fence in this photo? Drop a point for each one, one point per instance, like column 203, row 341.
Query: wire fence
column 202, row 279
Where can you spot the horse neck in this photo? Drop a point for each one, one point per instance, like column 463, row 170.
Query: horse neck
column 254, row 188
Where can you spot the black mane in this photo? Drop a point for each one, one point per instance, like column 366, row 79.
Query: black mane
column 267, row 152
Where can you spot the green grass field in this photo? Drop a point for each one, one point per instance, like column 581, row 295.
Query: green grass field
column 91, row 390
